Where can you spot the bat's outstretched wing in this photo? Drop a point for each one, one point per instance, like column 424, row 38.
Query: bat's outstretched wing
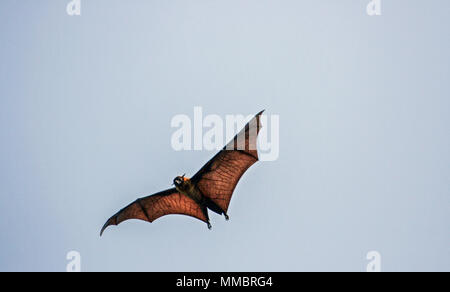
column 219, row 177
column 152, row 207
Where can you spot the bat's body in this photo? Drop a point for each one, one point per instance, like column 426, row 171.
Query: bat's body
column 185, row 187
column 210, row 188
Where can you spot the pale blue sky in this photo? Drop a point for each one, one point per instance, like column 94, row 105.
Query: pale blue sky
column 364, row 105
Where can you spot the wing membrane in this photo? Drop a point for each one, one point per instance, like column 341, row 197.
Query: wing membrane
column 152, row 207
column 219, row 177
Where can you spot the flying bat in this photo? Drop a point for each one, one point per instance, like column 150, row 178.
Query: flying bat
column 210, row 188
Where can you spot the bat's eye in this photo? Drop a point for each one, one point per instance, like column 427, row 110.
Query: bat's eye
column 177, row 181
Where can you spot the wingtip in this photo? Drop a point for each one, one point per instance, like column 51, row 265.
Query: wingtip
column 103, row 229
column 107, row 224
column 260, row 113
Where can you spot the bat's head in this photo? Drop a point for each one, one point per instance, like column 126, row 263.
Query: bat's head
column 180, row 181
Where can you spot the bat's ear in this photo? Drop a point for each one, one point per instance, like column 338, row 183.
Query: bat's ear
column 183, row 175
